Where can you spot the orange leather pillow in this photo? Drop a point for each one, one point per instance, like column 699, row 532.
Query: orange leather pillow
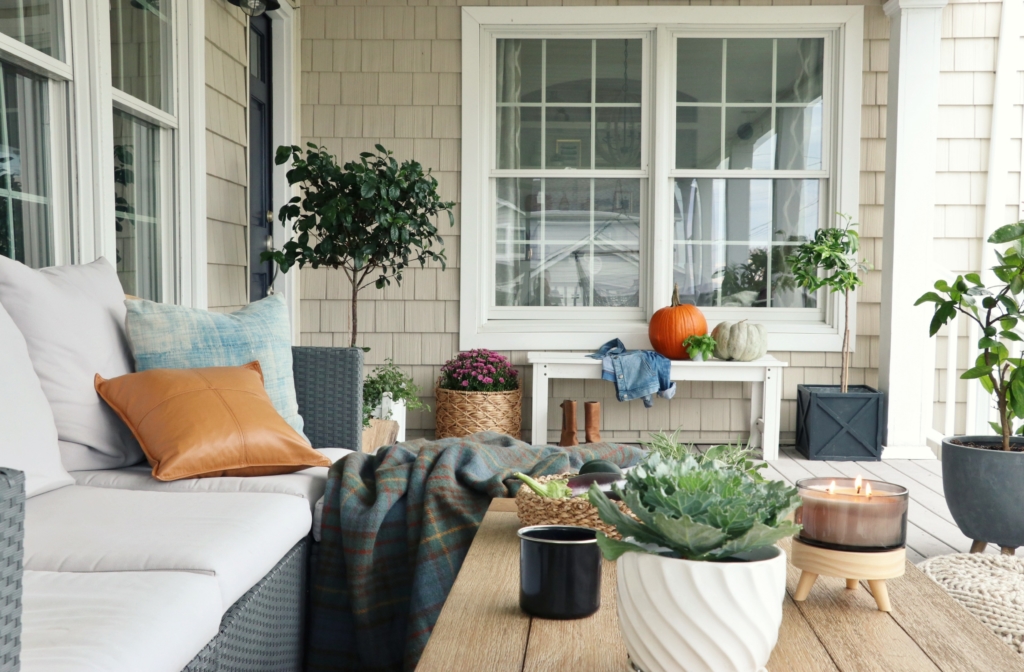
column 217, row 421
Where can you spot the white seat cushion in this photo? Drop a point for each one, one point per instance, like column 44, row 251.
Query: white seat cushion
column 236, row 537
column 29, row 441
column 308, row 483
column 116, row 621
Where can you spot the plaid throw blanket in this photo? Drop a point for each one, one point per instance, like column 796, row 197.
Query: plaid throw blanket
column 396, row 528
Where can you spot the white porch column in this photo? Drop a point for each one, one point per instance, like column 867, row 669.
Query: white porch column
column 907, row 357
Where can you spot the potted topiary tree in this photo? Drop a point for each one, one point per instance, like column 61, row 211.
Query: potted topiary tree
column 981, row 475
column 836, row 422
column 371, row 218
column 700, row 579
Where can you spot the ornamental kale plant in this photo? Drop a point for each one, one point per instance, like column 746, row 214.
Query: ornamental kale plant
column 372, row 218
column 695, row 511
column 998, row 317
column 479, row 371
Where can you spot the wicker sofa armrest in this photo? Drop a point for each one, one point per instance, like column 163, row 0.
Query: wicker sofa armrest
column 329, row 388
column 12, row 550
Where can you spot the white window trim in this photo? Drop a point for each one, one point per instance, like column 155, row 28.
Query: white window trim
column 90, row 140
column 285, row 76
column 479, row 26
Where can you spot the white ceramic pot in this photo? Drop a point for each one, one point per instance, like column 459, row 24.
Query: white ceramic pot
column 701, row 616
column 392, row 410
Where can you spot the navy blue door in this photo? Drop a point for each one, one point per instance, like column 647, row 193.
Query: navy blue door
column 261, row 158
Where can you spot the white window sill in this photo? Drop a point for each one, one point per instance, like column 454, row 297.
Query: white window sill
column 589, row 336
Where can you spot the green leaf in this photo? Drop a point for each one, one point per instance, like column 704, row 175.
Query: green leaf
column 986, row 383
column 684, row 532
column 976, row 372
column 929, row 296
column 995, row 427
column 1007, row 233
column 613, row 549
column 758, row 536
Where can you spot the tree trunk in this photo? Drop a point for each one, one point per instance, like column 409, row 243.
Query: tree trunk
column 845, row 373
column 355, row 313
column 1004, row 420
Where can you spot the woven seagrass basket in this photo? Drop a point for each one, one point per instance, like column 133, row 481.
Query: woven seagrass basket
column 536, row 510
column 464, row 413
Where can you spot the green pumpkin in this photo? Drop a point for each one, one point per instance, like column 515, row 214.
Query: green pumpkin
column 740, row 341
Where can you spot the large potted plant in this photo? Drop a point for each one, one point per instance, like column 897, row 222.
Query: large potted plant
column 836, row 422
column 982, row 475
column 371, row 218
column 478, row 390
column 700, row 579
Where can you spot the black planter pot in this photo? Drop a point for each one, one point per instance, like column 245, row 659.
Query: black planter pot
column 983, row 490
column 831, row 425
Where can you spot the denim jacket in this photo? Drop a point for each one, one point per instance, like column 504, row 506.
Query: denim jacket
column 636, row 373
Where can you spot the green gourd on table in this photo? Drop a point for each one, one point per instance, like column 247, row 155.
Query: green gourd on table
column 600, row 467
column 741, row 341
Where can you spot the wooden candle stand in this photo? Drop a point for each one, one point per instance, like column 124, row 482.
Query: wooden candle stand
column 875, row 567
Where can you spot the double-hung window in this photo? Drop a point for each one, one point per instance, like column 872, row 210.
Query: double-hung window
column 610, row 154
column 114, row 89
column 33, row 164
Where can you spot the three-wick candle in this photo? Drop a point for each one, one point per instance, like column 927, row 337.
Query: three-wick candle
column 853, row 513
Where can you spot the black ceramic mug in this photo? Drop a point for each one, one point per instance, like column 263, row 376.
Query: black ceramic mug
column 559, row 571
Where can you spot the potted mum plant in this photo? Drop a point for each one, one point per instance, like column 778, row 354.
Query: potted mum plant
column 707, row 529
column 981, row 475
column 370, row 218
column 388, row 393
column 478, row 390
column 836, row 422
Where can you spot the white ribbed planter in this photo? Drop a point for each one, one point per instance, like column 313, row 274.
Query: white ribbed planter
column 700, row 616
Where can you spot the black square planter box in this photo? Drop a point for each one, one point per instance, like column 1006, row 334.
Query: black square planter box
column 831, row 425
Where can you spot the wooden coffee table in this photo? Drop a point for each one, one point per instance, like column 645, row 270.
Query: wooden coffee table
column 482, row 628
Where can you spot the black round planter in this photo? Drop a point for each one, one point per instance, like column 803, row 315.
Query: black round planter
column 985, row 489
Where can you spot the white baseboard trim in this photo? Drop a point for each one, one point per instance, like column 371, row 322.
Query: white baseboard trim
column 908, row 453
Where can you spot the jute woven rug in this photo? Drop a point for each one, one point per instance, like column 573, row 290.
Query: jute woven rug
column 990, row 586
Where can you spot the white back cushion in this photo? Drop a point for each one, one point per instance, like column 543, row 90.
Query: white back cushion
column 72, row 318
column 28, row 436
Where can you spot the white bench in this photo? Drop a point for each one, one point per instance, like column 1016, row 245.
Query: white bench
column 765, row 396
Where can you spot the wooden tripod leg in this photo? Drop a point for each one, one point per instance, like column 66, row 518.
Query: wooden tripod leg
column 803, row 588
column 978, row 546
column 851, row 584
column 881, row 594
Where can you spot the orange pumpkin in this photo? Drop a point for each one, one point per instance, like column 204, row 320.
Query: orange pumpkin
column 672, row 325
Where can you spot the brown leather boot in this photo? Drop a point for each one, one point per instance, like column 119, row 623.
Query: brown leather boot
column 569, row 424
column 592, row 421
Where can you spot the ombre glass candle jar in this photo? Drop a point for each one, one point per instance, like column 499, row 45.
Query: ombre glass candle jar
column 852, row 514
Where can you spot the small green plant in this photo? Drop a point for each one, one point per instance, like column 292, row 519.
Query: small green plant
column 372, row 218
column 389, row 378
column 700, row 345
column 695, row 511
column 830, row 260
column 997, row 311
column 735, row 456
column 556, row 489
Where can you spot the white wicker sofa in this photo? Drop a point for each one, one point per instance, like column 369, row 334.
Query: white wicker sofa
column 111, row 570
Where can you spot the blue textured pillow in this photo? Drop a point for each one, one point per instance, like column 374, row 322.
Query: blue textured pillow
column 173, row 337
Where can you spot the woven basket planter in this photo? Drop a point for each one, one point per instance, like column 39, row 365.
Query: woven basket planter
column 536, row 510
column 464, row 413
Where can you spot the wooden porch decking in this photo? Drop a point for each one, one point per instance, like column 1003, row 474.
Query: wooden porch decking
column 930, row 527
